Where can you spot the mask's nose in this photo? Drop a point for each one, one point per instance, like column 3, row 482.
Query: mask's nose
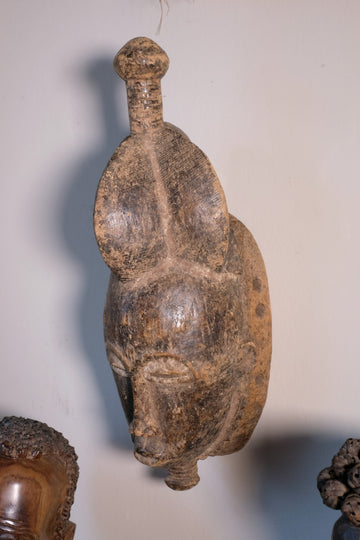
column 145, row 432
column 142, row 424
column 139, row 428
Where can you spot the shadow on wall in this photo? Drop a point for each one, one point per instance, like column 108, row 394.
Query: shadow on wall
column 285, row 471
column 77, row 229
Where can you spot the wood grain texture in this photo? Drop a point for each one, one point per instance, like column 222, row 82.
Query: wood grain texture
column 187, row 317
column 38, row 476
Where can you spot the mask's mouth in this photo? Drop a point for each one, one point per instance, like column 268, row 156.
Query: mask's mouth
column 147, row 458
column 150, row 450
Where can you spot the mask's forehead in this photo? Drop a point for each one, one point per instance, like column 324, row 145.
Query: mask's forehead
column 176, row 314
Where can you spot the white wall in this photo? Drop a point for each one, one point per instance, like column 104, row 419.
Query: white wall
column 270, row 91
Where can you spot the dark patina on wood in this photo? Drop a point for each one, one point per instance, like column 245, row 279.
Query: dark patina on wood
column 187, row 317
column 339, row 487
column 38, row 477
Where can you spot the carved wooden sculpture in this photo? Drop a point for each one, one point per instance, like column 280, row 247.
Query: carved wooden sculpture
column 38, row 476
column 187, row 317
column 339, row 486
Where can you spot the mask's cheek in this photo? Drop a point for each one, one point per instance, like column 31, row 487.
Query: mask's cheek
column 176, row 417
column 206, row 408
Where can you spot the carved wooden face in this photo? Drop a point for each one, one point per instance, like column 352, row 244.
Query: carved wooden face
column 187, row 319
column 31, row 493
column 172, row 347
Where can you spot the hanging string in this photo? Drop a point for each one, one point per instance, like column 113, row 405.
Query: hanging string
column 162, row 3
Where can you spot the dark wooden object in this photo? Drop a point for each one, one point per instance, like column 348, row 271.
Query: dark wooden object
column 38, row 476
column 187, row 316
column 339, row 486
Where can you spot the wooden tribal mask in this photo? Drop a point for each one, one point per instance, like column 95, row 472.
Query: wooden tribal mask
column 187, row 317
column 38, row 477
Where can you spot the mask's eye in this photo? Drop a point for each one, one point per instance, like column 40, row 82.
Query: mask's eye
column 167, row 369
column 123, row 383
column 117, row 365
column 120, row 369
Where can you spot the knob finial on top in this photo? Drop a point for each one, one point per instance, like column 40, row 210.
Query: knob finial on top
column 141, row 58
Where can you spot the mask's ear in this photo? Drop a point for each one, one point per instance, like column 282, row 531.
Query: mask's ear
column 160, row 199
